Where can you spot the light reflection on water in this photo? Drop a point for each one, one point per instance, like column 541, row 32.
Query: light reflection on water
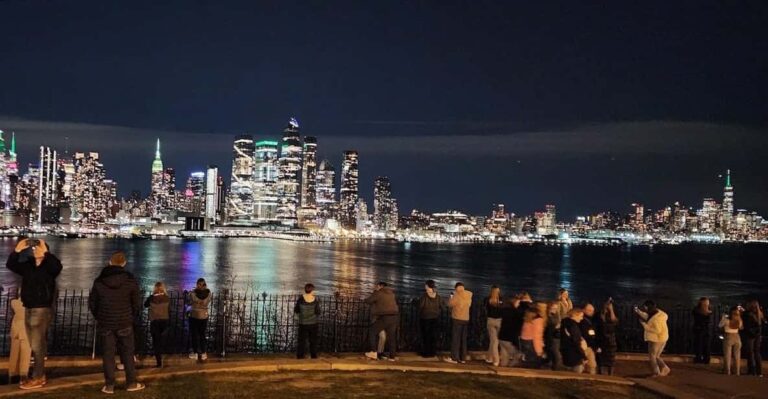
column 676, row 274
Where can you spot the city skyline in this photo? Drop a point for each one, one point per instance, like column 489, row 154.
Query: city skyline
column 643, row 103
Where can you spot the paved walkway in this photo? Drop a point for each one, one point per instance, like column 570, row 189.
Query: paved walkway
column 686, row 381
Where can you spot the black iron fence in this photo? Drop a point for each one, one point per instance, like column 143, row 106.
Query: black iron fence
column 264, row 323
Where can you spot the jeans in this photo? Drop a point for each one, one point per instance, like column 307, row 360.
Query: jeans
column 494, row 325
column 754, row 359
column 37, row 321
column 591, row 365
column 197, row 328
column 701, row 346
column 120, row 341
column 553, row 352
column 307, row 332
column 654, row 357
column 159, row 330
column 459, row 340
column 509, row 354
column 428, row 337
column 530, row 358
column 389, row 324
column 731, row 352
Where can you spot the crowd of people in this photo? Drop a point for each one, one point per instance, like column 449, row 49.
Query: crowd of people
column 521, row 333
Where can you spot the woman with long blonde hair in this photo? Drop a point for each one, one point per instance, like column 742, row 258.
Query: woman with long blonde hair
column 731, row 324
column 753, row 324
column 493, row 312
column 606, row 338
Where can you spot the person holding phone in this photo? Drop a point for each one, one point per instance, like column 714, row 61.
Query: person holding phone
column 656, row 333
column 199, row 299
column 38, row 269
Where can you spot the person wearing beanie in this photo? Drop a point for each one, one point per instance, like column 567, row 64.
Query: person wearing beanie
column 431, row 305
column 38, row 269
column 115, row 303
column 307, row 310
column 199, row 300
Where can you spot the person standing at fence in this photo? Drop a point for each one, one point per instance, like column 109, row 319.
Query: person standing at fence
column 307, row 310
column 38, row 269
column 702, row 325
column 115, row 302
column 731, row 324
column 509, row 355
column 572, row 345
column 159, row 316
column 532, row 335
column 565, row 302
column 460, row 303
column 21, row 352
column 753, row 323
column 431, row 305
column 199, row 300
column 552, row 336
column 493, row 322
column 386, row 317
column 606, row 338
column 589, row 334
column 656, row 333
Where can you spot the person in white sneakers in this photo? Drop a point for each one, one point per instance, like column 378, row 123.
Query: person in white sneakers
column 656, row 333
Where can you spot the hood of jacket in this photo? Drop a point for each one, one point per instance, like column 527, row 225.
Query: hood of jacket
column 114, row 276
column 202, row 293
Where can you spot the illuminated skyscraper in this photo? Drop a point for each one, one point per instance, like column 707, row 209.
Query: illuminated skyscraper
column 384, row 219
column 90, row 197
column 158, row 191
column 727, row 203
column 326, row 190
column 349, row 192
column 48, row 188
column 361, row 216
column 289, row 174
column 638, row 216
column 195, row 193
column 212, row 194
column 265, row 181
column 240, row 202
column 309, row 173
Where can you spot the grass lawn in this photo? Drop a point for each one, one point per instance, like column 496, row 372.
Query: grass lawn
column 369, row 384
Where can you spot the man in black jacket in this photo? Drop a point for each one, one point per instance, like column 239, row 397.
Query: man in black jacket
column 115, row 303
column 38, row 269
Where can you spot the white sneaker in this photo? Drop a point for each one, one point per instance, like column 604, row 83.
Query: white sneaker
column 136, row 386
column 495, row 364
column 120, row 366
column 204, row 356
column 489, row 361
column 665, row 371
column 108, row 389
column 192, row 355
column 372, row 355
column 449, row 360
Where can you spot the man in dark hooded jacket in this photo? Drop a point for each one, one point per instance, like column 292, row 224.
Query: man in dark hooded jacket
column 115, row 303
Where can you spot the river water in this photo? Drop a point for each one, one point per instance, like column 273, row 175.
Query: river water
column 669, row 274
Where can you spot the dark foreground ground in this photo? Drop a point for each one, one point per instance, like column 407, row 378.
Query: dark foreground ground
column 369, row 384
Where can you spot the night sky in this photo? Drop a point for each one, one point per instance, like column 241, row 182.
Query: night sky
column 586, row 105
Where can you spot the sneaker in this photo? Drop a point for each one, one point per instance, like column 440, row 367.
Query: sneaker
column 392, row 359
column 372, row 355
column 204, row 356
column 449, row 360
column 495, row 364
column 136, row 386
column 32, row 383
column 489, row 361
column 463, row 361
column 193, row 355
column 665, row 371
column 120, row 366
column 108, row 389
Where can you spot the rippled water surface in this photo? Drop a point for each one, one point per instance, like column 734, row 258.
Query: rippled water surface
column 670, row 274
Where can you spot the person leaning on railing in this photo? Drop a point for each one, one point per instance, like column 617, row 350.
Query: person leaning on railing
column 159, row 315
column 38, row 269
column 307, row 310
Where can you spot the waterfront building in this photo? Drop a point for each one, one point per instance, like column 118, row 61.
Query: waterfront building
column 638, row 217
column 326, row 191
column 195, row 193
column 546, row 221
column 289, row 174
column 6, row 195
column 450, row 222
column 384, row 206
column 349, row 192
column 708, row 216
column 727, row 214
column 212, row 194
column 265, row 181
column 308, row 211
column 362, row 223
column 240, row 208
column 48, row 184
